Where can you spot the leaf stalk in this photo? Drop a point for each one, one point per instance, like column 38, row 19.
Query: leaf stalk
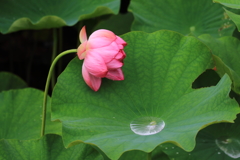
column 47, row 87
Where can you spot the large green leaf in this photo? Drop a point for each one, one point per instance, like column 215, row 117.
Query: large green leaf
column 226, row 55
column 20, row 115
column 41, row 14
column 218, row 141
column 159, row 70
column 196, row 17
column 10, row 81
column 49, row 147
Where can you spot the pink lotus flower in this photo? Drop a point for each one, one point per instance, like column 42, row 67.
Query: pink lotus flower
column 103, row 57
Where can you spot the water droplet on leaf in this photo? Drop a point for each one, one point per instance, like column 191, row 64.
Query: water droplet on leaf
column 229, row 146
column 147, row 125
column 192, row 28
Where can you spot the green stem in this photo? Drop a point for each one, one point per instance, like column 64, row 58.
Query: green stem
column 149, row 156
column 47, row 87
column 54, row 53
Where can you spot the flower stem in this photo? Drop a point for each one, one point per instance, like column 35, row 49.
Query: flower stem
column 47, row 87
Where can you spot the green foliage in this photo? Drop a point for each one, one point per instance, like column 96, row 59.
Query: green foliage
column 192, row 17
column 208, row 141
column 159, row 71
column 226, row 56
column 170, row 80
column 234, row 17
column 136, row 155
column 49, row 147
column 232, row 4
column 229, row 3
column 29, row 14
column 119, row 24
column 20, row 115
column 10, row 81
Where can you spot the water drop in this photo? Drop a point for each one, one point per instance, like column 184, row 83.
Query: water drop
column 147, row 125
column 177, row 152
column 189, row 154
column 172, row 147
column 113, row 117
column 229, row 146
column 219, row 152
column 166, row 148
column 192, row 28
